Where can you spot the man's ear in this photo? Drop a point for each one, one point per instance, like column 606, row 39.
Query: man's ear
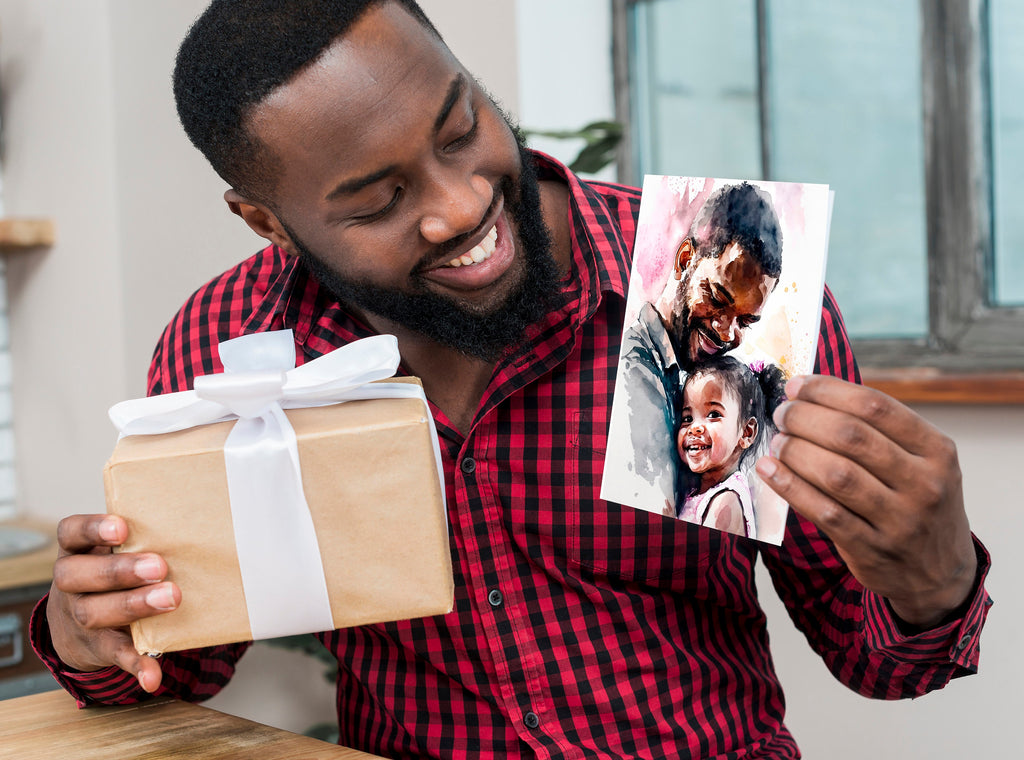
column 748, row 434
column 683, row 256
column 261, row 220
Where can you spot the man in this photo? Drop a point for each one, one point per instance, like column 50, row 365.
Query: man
column 362, row 150
column 723, row 272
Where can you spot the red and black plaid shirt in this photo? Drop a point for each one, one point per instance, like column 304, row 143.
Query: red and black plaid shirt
column 581, row 628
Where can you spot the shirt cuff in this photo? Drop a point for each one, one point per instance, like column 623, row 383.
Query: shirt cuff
column 953, row 641
column 109, row 685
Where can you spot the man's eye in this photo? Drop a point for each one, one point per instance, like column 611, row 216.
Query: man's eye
column 718, row 303
column 375, row 215
column 464, row 140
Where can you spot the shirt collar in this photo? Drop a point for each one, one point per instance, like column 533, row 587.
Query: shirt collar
column 658, row 335
column 600, row 256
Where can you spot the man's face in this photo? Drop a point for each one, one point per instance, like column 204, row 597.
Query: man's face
column 719, row 298
column 403, row 187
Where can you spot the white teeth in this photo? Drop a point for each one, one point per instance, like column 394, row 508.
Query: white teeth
column 480, row 252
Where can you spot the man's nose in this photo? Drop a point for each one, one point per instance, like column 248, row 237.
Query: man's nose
column 457, row 203
column 728, row 329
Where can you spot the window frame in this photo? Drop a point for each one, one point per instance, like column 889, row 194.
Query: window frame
column 974, row 351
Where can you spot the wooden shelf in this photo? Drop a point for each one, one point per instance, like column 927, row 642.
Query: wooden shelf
column 931, row 386
column 32, row 567
column 23, row 232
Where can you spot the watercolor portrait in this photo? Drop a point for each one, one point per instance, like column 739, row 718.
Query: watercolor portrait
column 723, row 307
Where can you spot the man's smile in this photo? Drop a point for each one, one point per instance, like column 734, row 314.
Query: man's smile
column 481, row 263
column 706, row 343
column 478, row 253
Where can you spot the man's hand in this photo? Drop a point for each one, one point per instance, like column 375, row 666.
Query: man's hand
column 96, row 594
column 884, row 485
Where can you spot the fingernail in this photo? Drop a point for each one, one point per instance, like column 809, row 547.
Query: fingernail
column 108, row 530
column 776, row 445
column 160, row 598
column 778, row 416
column 149, row 569
column 794, row 385
column 767, row 468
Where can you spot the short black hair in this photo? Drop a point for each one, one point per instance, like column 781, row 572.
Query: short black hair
column 238, row 52
column 741, row 214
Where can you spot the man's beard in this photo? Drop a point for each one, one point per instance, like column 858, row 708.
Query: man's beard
column 679, row 329
column 441, row 318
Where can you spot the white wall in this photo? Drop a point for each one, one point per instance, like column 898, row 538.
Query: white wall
column 565, row 70
column 65, row 303
column 975, row 716
column 91, row 140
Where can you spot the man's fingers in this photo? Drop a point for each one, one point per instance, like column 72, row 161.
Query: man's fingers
column 120, row 608
column 886, row 415
column 845, row 435
column 86, row 573
column 82, row 533
column 840, row 524
column 834, row 477
column 116, row 647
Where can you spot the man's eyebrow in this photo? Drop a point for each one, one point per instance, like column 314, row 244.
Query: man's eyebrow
column 354, row 185
column 454, row 93
column 722, row 293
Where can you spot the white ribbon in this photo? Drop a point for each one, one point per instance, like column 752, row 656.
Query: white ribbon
column 278, row 553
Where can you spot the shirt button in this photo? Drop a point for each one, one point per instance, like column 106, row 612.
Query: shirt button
column 468, row 465
column 530, row 720
column 495, row 598
column 964, row 642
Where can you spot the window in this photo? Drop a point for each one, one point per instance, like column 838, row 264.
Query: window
column 905, row 108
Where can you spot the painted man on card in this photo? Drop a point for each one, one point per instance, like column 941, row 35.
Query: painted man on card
column 724, row 270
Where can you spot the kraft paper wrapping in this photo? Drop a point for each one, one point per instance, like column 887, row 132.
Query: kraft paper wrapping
column 371, row 482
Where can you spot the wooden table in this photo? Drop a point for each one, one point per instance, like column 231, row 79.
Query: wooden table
column 49, row 726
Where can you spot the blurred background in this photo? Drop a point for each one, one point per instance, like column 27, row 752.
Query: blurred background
column 907, row 109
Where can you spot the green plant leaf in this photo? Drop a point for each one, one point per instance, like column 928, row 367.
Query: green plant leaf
column 601, row 140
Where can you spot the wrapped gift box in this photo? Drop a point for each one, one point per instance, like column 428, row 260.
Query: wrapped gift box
column 371, row 481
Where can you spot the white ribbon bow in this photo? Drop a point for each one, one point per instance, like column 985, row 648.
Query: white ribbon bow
column 278, row 554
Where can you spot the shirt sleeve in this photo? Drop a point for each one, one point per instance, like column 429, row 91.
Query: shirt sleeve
column 193, row 675
column 854, row 630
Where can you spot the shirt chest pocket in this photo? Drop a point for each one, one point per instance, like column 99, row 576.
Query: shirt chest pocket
column 620, row 542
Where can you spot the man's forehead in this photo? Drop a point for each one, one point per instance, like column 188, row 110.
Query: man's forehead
column 383, row 41
column 368, row 87
column 734, row 259
column 736, row 276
